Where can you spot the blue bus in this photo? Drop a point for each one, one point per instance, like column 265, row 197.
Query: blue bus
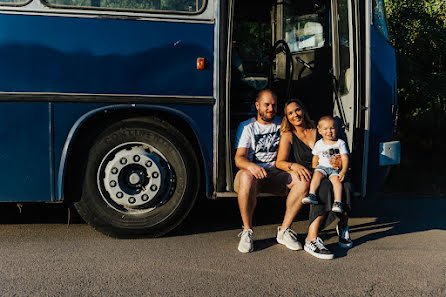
column 127, row 109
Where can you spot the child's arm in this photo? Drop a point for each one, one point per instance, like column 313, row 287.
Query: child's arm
column 315, row 161
column 344, row 160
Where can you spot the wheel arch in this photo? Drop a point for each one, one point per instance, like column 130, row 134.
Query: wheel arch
column 91, row 124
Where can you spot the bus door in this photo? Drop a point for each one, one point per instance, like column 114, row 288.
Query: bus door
column 246, row 42
column 380, row 99
column 25, row 151
column 303, row 59
column 291, row 47
column 344, row 71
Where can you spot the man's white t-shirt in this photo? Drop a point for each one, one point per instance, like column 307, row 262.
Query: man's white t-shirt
column 326, row 151
column 262, row 141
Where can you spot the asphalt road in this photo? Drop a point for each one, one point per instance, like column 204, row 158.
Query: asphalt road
column 399, row 251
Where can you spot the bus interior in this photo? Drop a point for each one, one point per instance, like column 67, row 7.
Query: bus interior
column 293, row 48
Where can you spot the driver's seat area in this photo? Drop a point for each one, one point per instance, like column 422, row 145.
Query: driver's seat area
column 257, row 81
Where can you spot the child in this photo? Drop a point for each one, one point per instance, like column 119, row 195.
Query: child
column 324, row 149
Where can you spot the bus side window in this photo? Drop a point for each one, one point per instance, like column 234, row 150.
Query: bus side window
column 12, row 1
column 187, row 5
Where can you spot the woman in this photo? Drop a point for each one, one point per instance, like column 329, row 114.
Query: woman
column 296, row 143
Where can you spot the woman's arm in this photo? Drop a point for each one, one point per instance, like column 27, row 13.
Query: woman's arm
column 284, row 152
column 315, row 161
column 335, row 162
column 282, row 158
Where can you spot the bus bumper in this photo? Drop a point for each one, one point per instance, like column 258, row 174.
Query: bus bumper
column 389, row 153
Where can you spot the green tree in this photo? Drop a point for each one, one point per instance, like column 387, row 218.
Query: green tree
column 417, row 29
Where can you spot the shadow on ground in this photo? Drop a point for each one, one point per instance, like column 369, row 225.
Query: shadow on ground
column 390, row 217
column 223, row 214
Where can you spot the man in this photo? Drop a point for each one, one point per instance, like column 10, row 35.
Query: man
column 257, row 145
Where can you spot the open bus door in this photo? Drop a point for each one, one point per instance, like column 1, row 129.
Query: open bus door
column 317, row 54
column 380, row 100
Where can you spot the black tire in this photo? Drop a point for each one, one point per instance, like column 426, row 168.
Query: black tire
column 133, row 199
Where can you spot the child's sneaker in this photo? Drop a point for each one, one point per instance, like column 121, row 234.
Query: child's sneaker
column 246, row 244
column 312, row 198
column 317, row 248
column 337, row 207
column 344, row 237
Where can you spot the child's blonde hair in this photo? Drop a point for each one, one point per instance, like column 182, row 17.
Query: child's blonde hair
column 327, row 118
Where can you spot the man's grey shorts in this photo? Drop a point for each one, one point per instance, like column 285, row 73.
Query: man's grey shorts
column 275, row 183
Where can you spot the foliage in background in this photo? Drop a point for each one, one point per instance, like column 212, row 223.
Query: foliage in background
column 417, row 29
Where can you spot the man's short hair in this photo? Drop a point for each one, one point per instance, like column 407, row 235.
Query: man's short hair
column 260, row 93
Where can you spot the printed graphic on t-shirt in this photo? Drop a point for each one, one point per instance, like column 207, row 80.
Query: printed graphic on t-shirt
column 325, row 151
column 261, row 140
column 330, row 152
column 265, row 145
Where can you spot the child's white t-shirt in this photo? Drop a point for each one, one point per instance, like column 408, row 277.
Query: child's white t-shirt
column 326, row 151
column 262, row 141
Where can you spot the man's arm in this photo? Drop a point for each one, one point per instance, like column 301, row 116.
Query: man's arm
column 242, row 162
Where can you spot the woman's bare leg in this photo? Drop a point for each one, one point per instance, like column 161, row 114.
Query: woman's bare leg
column 298, row 190
column 313, row 230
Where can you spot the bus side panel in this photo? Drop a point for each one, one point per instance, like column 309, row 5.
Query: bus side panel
column 68, row 117
column 25, row 153
column 382, row 95
column 104, row 56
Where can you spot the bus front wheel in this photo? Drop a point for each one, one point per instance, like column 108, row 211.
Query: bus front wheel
column 141, row 179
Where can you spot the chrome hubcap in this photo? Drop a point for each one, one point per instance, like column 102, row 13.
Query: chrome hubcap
column 131, row 176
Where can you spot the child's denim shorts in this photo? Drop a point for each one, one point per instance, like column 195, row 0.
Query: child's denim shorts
column 327, row 171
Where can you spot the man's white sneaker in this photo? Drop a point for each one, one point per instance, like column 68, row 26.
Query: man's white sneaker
column 288, row 238
column 246, row 244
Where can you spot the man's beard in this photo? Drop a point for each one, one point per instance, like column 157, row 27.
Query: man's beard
column 265, row 117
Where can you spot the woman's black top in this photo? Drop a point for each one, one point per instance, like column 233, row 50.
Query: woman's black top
column 302, row 154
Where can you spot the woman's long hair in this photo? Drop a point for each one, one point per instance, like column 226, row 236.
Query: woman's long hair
column 287, row 126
